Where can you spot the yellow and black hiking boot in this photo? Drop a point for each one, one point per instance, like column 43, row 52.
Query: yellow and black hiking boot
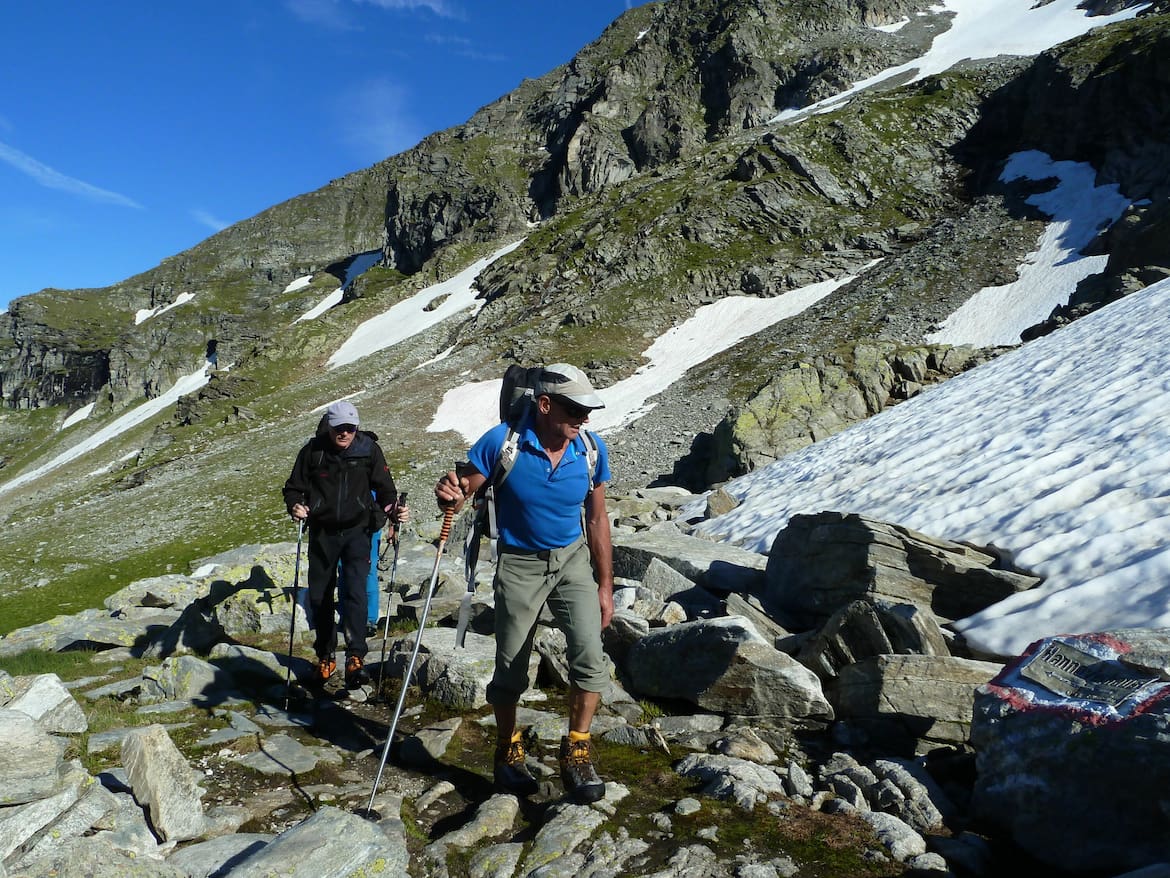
column 323, row 671
column 355, row 673
column 510, row 773
column 577, row 772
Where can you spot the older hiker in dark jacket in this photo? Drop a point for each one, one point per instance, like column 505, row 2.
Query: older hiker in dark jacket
column 340, row 485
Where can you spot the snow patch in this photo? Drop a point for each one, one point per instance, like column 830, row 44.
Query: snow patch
column 80, row 415
column 145, row 314
column 982, row 29
column 471, row 409
column 148, row 409
column 1080, row 208
column 411, row 316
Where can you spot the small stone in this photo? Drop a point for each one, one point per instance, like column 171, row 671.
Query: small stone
column 687, row 806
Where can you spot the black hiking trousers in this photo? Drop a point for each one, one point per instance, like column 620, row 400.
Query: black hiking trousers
column 350, row 546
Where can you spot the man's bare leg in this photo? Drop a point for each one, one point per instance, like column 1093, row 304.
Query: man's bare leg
column 582, row 706
column 505, row 723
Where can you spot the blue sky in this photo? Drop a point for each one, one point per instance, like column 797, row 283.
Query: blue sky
column 132, row 130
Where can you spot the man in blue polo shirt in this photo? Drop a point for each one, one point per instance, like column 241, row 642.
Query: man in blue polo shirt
column 546, row 557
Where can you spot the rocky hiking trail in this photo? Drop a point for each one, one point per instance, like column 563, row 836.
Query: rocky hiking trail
column 157, row 737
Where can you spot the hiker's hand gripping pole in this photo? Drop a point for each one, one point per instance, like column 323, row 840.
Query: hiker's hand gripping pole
column 444, row 533
column 463, row 475
column 451, row 491
column 394, row 522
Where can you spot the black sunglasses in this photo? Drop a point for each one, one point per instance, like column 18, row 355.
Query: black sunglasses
column 570, row 408
column 344, row 428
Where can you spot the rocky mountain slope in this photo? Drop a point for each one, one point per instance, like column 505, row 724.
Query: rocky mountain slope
column 645, row 179
column 179, row 745
column 810, row 714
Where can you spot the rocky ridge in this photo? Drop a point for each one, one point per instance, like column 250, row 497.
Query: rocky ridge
column 662, row 112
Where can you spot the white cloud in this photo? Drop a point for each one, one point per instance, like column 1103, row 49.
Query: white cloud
column 324, row 13
column 438, row 7
column 373, row 117
column 464, row 48
column 339, row 14
column 53, row 179
column 206, row 219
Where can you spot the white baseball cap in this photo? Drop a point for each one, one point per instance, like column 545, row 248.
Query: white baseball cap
column 561, row 379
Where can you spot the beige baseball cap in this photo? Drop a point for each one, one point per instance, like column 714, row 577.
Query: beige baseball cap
column 561, row 379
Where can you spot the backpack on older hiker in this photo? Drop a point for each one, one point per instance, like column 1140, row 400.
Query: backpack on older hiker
column 517, row 395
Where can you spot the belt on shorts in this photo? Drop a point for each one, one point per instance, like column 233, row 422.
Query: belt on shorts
column 542, row 554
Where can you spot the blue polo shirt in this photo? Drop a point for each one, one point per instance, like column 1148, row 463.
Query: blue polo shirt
column 539, row 507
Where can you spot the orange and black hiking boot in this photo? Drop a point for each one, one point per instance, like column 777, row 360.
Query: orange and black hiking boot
column 355, row 673
column 577, row 772
column 323, row 671
column 509, row 772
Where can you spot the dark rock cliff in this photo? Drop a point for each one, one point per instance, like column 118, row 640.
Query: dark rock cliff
column 663, row 81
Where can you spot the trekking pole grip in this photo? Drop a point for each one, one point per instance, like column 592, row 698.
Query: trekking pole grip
column 448, row 517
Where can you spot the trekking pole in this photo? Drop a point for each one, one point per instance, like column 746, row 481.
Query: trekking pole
column 389, row 590
column 448, row 516
column 471, row 558
column 292, row 625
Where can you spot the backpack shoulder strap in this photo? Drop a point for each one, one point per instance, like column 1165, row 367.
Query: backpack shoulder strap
column 591, row 455
column 370, row 457
column 509, row 450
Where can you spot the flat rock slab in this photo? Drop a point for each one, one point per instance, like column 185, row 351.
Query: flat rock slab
column 218, row 855
column 25, row 822
column 716, row 566
column 99, row 857
column 165, row 592
column 330, row 844
column 45, row 698
column 239, row 726
column 87, row 629
column 29, row 759
column 281, row 754
column 101, row 742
